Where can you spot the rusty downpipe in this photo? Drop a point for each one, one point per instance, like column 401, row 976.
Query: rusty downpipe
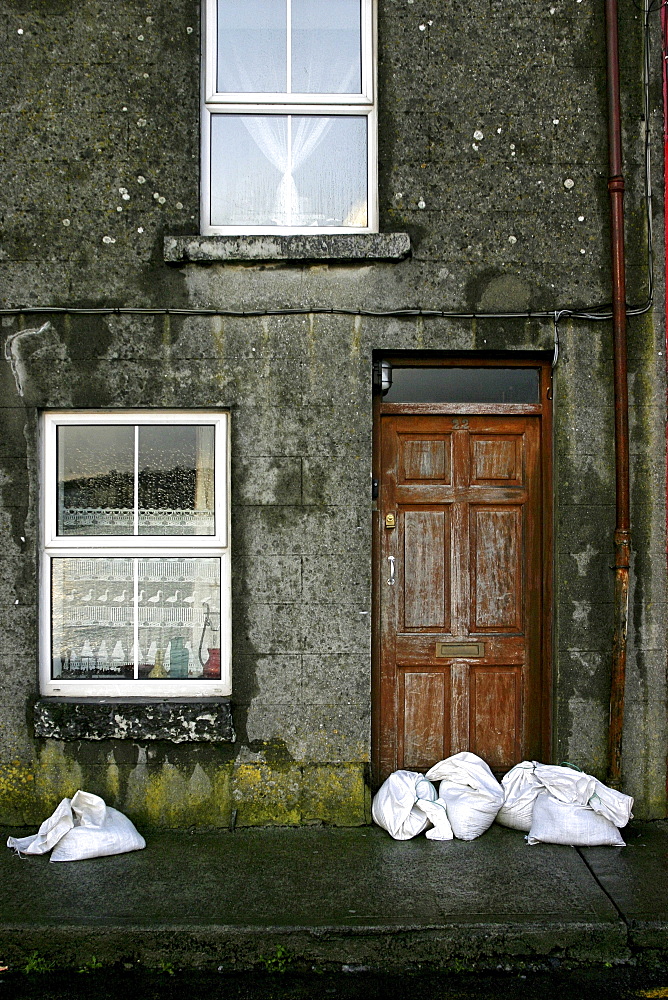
column 623, row 518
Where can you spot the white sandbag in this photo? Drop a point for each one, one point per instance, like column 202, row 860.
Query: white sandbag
column 570, row 823
column 520, row 789
column 82, row 827
column 569, row 785
column 566, row 783
column 396, row 804
column 115, row 835
column 614, row 805
column 471, row 793
column 49, row 833
column 88, row 809
column 524, row 782
column 437, row 814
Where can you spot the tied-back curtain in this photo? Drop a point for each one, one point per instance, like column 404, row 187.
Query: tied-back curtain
column 287, row 141
column 326, row 59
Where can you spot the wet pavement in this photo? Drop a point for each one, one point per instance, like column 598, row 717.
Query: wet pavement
column 285, row 900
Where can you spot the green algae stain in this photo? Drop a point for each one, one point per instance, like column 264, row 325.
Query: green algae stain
column 207, row 796
column 167, row 796
column 57, row 777
column 334, row 794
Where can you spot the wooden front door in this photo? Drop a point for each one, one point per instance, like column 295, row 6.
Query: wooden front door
column 460, row 589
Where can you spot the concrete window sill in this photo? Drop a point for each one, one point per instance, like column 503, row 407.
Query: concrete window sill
column 337, row 247
column 199, row 721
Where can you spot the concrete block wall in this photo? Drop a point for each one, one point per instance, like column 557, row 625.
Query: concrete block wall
column 487, row 112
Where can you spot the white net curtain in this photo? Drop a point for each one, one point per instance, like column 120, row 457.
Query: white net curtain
column 280, row 169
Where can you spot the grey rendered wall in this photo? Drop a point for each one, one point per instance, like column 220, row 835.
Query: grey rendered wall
column 487, row 112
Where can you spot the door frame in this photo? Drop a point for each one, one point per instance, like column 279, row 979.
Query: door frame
column 543, row 409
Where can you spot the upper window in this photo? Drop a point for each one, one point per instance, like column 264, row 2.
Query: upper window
column 288, row 130
column 135, row 574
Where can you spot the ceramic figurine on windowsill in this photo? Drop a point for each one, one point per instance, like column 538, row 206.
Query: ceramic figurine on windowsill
column 211, row 669
column 158, row 671
column 178, row 663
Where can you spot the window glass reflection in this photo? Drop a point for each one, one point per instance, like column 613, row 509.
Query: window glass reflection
column 464, row 385
column 289, row 170
column 171, row 469
column 176, row 477
column 326, row 47
column 252, row 49
column 95, row 480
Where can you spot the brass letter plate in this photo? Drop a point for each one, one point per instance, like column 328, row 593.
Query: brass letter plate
column 444, row 649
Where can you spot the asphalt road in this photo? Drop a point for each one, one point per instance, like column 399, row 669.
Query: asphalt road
column 626, row 983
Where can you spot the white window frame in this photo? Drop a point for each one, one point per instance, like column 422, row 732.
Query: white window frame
column 134, row 546
column 214, row 102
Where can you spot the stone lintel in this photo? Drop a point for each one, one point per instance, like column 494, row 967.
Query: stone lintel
column 203, row 720
column 336, row 247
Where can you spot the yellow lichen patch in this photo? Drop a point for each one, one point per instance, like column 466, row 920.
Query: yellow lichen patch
column 136, row 791
column 113, row 783
column 166, row 797
column 17, row 793
column 264, row 795
column 221, row 797
column 199, row 787
column 170, row 796
column 334, row 794
column 655, row 994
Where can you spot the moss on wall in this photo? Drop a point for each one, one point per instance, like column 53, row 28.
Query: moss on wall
column 164, row 794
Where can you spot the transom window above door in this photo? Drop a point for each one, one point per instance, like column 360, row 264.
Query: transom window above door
column 288, row 128
column 471, row 384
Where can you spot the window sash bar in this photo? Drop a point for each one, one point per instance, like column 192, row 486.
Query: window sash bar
column 136, row 484
column 288, row 45
column 135, row 619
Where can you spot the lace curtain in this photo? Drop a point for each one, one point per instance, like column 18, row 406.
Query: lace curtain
column 325, row 60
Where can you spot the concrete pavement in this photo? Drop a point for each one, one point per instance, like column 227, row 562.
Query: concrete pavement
column 331, row 898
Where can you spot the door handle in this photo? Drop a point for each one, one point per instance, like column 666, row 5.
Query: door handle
column 391, row 561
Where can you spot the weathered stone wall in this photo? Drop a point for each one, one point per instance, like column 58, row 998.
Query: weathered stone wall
column 488, row 112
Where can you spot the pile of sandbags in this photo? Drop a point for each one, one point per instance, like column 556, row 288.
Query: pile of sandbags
column 469, row 797
column 551, row 804
column 559, row 805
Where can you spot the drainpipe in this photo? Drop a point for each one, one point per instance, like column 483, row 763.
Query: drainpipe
column 623, row 523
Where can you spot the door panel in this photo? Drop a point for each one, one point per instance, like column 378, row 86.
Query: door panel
column 496, row 568
column 461, row 623
column 424, row 696
column 425, row 459
column 496, row 460
column 496, row 713
column 426, row 575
